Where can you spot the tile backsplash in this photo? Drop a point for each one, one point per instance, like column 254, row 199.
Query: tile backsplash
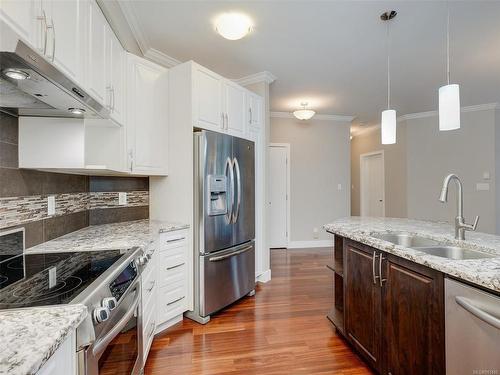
column 80, row 200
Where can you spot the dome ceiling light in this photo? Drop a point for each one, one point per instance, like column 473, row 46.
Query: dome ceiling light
column 233, row 26
column 304, row 113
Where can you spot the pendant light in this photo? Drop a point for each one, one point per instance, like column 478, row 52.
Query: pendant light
column 449, row 95
column 388, row 121
column 304, row 113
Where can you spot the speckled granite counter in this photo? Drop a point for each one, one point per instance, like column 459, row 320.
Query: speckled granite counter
column 30, row 336
column 483, row 272
column 109, row 236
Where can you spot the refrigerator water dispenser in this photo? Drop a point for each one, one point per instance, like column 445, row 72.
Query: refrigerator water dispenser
column 217, row 187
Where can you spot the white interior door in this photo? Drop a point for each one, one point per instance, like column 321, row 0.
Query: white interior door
column 278, row 196
column 372, row 185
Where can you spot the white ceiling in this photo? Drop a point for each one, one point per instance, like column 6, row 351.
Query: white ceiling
column 333, row 53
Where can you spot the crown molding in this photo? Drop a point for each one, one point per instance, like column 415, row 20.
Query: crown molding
column 161, row 58
column 130, row 17
column 316, row 117
column 472, row 108
column 264, row 76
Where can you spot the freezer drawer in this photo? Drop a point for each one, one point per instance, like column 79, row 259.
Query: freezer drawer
column 472, row 330
column 226, row 276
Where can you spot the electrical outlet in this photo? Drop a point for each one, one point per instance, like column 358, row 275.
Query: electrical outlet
column 51, row 205
column 315, row 233
column 339, row 187
column 122, row 199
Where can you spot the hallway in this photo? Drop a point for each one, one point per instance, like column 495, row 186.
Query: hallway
column 282, row 330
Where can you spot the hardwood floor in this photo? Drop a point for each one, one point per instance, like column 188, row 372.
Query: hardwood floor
column 282, row 330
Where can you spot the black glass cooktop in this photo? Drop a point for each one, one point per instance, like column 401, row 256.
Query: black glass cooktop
column 50, row 278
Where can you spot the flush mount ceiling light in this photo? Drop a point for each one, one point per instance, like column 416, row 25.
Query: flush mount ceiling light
column 304, row 113
column 449, row 95
column 76, row 111
column 16, row 74
column 233, row 26
column 388, row 121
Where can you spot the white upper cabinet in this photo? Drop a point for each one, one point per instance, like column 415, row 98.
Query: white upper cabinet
column 65, row 33
column 255, row 105
column 234, row 108
column 147, row 116
column 96, row 53
column 115, row 74
column 26, row 18
column 208, row 111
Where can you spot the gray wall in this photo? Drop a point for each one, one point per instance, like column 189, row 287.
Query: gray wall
column 32, row 187
column 468, row 152
column 319, row 161
column 394, row 166
column 423, row 156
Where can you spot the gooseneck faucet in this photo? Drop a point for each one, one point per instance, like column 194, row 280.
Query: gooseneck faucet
column 460, row 225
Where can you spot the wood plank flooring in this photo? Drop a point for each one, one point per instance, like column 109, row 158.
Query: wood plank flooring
column 282, row 330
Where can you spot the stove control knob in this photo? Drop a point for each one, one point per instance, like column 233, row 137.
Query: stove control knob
column 109, row 302
column 101, row 314
column 142, row 260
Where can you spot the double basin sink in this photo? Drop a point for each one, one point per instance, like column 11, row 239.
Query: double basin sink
column 431, row 247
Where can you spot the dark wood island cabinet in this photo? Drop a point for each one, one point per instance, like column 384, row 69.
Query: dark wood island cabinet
column 390, row 310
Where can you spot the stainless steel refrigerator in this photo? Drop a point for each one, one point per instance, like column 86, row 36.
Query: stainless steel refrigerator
column 224, row 220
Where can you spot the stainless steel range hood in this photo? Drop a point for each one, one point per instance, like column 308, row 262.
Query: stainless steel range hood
column 44, row 91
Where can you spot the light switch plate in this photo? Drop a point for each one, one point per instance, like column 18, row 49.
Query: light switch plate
column 482, row 186
column 51, row 205
column 122, row 199
column 339, row 187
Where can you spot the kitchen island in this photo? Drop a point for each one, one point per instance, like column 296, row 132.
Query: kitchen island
column 389, row 291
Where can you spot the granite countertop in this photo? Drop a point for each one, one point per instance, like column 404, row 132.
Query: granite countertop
column 483, row 272
column 109, row 236
column 30, row 336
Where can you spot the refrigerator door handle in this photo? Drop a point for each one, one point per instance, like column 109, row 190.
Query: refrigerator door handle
column 230, row 199
column 238, row 185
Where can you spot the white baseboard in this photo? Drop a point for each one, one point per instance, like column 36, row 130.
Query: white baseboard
column 264, row 277
column 168, row 323
column 306, row 244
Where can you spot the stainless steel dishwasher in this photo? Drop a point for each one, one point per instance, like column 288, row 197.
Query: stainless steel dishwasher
column 472, row 330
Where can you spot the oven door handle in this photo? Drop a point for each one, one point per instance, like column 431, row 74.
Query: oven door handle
column 101, row 344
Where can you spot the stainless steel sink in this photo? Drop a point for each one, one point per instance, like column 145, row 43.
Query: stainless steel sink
column 453, row 252
column 405, row 239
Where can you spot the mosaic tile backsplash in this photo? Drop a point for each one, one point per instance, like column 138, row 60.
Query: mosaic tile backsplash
column 80, row 200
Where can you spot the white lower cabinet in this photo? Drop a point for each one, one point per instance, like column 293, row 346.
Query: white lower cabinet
column 165, row 286
column 63, row 361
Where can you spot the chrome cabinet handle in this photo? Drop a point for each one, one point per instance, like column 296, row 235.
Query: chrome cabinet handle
column 250, row 110
column 222, row 257
column 176, row 240
column 113, row 97
column 152, row 286
column 177, row 300
column 227, row 121
column 380, row 270
column 223, row 124
column 177, row 266
column 375, row 277
column 108, row 89
column 236, row 166
column 468, row 305
column 52, row 26
column 131, row 159
column 43, row 18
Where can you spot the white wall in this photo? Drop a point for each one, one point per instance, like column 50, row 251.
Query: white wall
column 319, row 161
column 468, row 152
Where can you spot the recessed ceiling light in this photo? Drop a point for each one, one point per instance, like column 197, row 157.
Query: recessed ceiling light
column 76, row 111
column 233, row 26
column 304, row 113
column 15, row 74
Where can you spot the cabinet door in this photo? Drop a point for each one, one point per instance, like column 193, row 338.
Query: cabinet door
column 25, row 18
column 255, row 105
column 147, row 119
column 363, row 304
column 115, row 75
column 96, row 53
column 234, row 103
column 207, row 97
column 64, row 44
column 413, row 320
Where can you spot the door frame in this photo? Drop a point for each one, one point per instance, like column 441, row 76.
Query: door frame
column 362, row 172
column 286, row 146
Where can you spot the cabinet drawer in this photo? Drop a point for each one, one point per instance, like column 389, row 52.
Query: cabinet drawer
column 173, row 275
column 173, row 239
column 171, row 301
column 148, row 329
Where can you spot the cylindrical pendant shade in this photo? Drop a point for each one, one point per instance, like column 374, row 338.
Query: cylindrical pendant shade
column 388, row 127
column 449, row 107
